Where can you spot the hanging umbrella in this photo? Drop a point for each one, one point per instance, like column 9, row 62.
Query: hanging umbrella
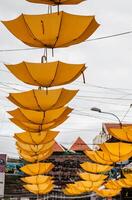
column 37, row 157
column 92, row 177
column 52, row 30
column 124, row 133
column 35, row 149
column 124, row 182
column 56, row 2
column 112, row 184
column 127, row 175
column 36, row 138
column 89, row 185
column 71, row 191
column 93, row 155
column 47, row 74
column 107, row 192
column 38, row 127
column 39, row 179
column 40, row 188
column 37, row 168
column 40, row 100
column 118, row 149
column 95, row 168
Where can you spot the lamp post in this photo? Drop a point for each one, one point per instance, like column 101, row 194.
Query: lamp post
column 109, row 113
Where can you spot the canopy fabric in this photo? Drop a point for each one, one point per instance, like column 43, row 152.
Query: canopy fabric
column 37, row 168
column 36, row 158
column 56, row 2
column 124, row 133
column 52, row 30
column 95, row 168
column 92, row 177
column 36, row 138
column 71, row 191
column 107, row 192
column 37, row 149
column 39, row 179
column 36, row 127
column 40, row 188
column 40, row 100
column 47, row 74
column 128, row 175
column 93, row 155
column 118, row 149
column 89, row 184
column 112, row 184
column 125, row 183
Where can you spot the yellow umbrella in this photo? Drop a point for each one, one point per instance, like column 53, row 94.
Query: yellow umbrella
column 125, row 183
column 36, row 127
column 39, row 179
column 36, row 158
column 95, row 168
column 92, row 177
column 37, row 168
column 36, row 138
column 118, row 149
column 56, row 2
column 52, row 30
column 128, row 175
column 47, row 74
column 35, row 149
column 89, row 184
column 112, row 184
column 107, row 192
column 40, row 188
column 40, row 100
column 124, row 133
column 93, row 155
column 71, row 191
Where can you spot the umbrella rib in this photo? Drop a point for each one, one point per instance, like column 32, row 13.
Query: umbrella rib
column 36, row 100
column 58, row 30
column 30, row 32
column 54, row 75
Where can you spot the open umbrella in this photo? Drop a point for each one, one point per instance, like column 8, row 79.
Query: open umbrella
column 92, row 177
column 107, row 192
column 95, row 168
column 40, row 100
column 47, row 74
column 112, row 184
column 36, row 138
column 56, row 2
column 52, row 30
column 37, row 168
column 39, row 179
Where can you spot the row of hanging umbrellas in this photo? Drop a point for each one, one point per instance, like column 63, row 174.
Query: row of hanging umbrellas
column 40, row 110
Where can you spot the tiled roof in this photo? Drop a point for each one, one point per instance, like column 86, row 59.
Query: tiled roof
column 79, row 145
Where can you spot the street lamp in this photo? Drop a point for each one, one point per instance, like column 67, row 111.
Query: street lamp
column 109, row 113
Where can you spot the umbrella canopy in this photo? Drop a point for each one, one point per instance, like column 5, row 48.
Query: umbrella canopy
column 118, row 149
column 39, row 179
column 40, row 100
column 47, row 74
column 36, row 127
column 124, row 133
column 52, row 30
column 35, row 149
column 37, row 157
column 127, row 175
column 92, row 177
column 37, row 168
column 56, row 2
column 93, row 155
column 107, row 192
column 112, row 184
column 95, row 168
column 125, row 183
column 40, row 188
column 36, row 138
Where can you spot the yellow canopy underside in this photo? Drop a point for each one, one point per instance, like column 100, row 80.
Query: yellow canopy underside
column 40, row 188
column 125, row 183
column 112, row 184
column 37, row 168
column 104, row 157
column 95, row 168
column 37, row 128
column 34, row 149
column 36, row 138
column 124, row 133
column 56, row 2
column 107, row 192
column 97, row 158
column 36, row 158
column 39, row 179
column 40, row 100
column 52, row 30
column 118, row 149
column 46, row 74
column 128, row 176
column 92, row 177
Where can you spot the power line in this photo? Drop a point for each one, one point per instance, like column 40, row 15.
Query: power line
column 89, row 40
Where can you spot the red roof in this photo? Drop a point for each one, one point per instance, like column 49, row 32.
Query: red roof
column 57, row 147
column 79, row 145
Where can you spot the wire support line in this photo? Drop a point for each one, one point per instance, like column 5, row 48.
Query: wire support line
column 89, row 40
